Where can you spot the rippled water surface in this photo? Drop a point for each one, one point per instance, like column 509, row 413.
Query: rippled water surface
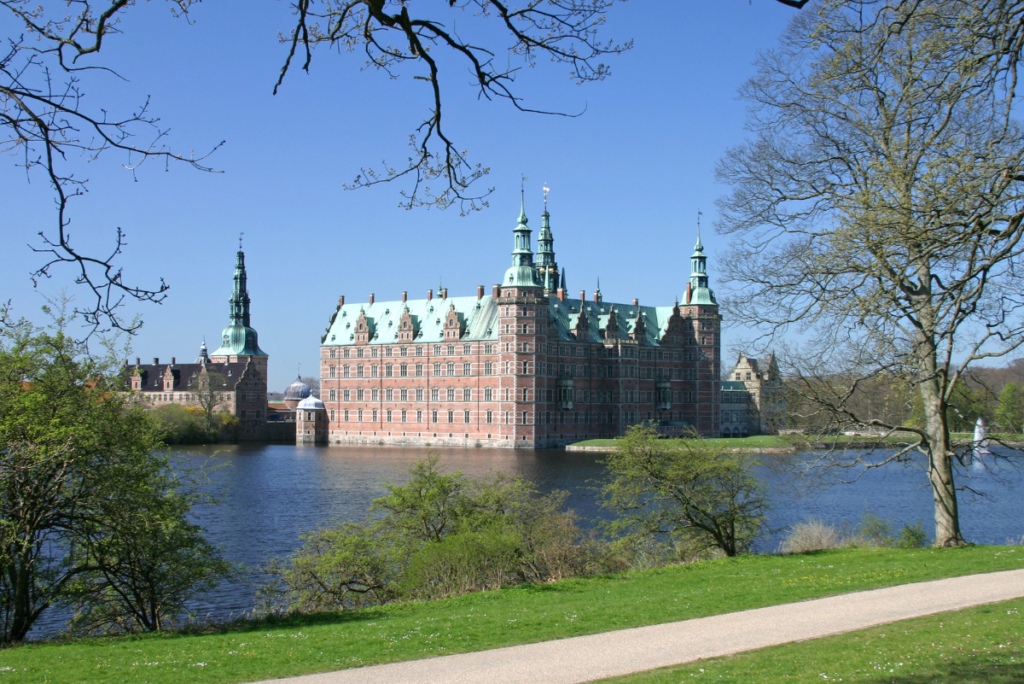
column 270, row 494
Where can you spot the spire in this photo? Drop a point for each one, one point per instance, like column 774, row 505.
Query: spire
column 240, row 295
column 546, row 265
column 522, row 273
column 697, row 289
column 204, row 356
column 239, row 339
column 562, row 285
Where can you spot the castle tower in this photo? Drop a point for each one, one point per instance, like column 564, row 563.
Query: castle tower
column 547, row 267
column 521, row 313
column 239, row 341
column 706, row 338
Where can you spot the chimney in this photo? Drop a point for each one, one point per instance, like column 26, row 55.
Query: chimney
column 597, row 299
column 496, row 291
column 689, row 292
column 636, row 302
column 341, row 301
column 173, row 360
column 561, row 295
column 371, row 298
column 156, row 360
column 138, row 361
column 405, row 295
column 430, row 295
column 479, row 292
column 444, row 293
column 583, row 296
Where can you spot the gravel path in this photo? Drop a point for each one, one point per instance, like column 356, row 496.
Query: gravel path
column 586, row 658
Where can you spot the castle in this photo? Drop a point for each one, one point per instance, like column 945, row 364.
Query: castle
column 525, row 366
column 233, row 379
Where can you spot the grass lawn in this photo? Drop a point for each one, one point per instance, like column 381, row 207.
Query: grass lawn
column 755, row 441
column 983, row 645
column 300, row 645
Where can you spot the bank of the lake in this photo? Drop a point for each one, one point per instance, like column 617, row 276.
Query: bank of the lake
column 269, row 495
column 793, row 444
column 318, row 643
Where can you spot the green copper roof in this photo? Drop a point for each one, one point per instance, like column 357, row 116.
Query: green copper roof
column 701, row 293
column 522, row 273
column 239, row 339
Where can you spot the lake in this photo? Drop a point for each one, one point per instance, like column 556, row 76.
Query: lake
column 269, row 495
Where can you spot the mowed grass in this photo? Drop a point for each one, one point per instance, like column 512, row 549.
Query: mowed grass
column 982, row 645
column 801, row 441
column 306, row 644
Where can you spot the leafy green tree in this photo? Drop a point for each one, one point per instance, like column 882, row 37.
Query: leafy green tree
column 1010, row 412
column 81, row 487
column 685, row 490
column 440, row 534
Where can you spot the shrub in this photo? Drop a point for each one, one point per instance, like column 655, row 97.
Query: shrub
column 812, row 535
column 912, row 537
column 874, row 530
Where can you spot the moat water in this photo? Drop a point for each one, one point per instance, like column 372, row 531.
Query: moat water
column 269, row 495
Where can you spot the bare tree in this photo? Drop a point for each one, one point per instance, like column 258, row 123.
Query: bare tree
column 878, row 209
column 44, row 120
column 208, row 392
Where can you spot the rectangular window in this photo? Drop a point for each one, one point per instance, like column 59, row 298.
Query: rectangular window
column 387, row 371
column 330, row 371
column 345, row 395
column 465, row 416
column 451, row 394
column 467, row 394
column 346, row 415
column 374, row 415
column 433, row 416
column 490, row 416
column 403, row 370
column 419, row 395
column 434, row 394
column 488, row 349
column 373, row 370
column 437, row 370
column 419, row 370
column 374, row 395
column 451, row 416
column 359, row 395
column 359, row 415
column 488, row 394
column 389, row 395
column 332, row 394
column 467, row 369
column 450, row 369
column 467, row 349
column 403, row 412
column 389, row 415
column 404, row 395
column 488, row 368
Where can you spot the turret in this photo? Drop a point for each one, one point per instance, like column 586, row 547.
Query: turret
column 547, row 268
column 238, row 339
column 697, row 289
column 522, row 273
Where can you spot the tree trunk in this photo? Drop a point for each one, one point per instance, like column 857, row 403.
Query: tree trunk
column 940, row 465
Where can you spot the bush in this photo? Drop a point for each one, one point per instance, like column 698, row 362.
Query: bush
column 177, row 424
column 912, row 537
column 813, row 535
column 439, row 535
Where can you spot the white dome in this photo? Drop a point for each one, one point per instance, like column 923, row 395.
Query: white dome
column 310, row 403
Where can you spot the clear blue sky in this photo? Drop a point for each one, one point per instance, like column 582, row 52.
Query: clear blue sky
column 627, row 177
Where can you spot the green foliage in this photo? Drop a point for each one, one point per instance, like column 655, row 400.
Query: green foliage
column 874, row 530
column 700, row 496
column 438, row 535
column 86, row 507
column 177, row 424
column 965, row 406
column 911, row 537
column 1010, row 411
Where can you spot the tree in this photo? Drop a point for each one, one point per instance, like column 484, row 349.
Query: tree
column 1010, row 412
column 684, row 490
column 81, row 486
column 878, row 209
column 208, row 390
